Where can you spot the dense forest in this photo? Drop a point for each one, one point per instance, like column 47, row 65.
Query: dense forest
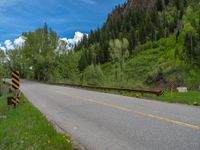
column 139, row 22
column 142, row 44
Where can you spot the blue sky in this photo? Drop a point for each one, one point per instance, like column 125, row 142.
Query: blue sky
column 63, row 16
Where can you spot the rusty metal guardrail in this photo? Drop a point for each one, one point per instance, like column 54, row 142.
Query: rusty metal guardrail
column 154, row 92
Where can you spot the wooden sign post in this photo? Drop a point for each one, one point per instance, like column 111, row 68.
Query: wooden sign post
column 172, row 87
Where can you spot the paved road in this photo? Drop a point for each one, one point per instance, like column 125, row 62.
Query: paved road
column 102, row 121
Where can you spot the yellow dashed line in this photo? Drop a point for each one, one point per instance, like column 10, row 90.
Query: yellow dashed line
column 136, row 112
column 168, row 120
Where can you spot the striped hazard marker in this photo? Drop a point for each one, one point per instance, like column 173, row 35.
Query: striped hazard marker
column 15, row 80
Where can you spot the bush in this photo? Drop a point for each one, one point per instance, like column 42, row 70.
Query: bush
column 93, row 75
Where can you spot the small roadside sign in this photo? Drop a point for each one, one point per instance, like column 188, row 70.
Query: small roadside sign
column 15, row 80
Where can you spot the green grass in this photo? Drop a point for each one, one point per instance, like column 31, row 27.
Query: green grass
column 191, row 98
column 26, row 128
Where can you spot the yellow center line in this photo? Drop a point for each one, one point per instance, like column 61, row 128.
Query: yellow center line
column 136, row 112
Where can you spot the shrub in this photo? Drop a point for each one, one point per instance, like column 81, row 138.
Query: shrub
column 93, row 75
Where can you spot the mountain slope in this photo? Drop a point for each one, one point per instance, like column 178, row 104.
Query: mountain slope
column 141, row 46
column 163, row 40
column 139, row 22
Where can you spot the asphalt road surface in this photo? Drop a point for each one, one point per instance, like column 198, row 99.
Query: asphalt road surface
column 101, row 121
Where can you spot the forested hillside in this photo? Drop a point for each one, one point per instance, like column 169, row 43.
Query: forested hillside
column 143, row 44
column 163, row 42
column 139, row 22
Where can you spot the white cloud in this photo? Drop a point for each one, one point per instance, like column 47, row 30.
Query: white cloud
column 64, row 39
column 2, row 48
column 89, row 1
column 77, row 38
column 4, row 3
column 19, row 42
column 70, row 43
column 9, row 45
column 62, row 45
